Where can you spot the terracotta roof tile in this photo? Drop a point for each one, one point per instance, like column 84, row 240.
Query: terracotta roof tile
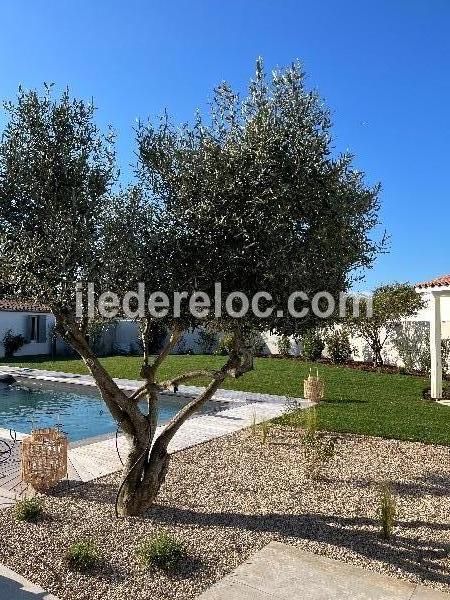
column 443, row 281
column 23, row 306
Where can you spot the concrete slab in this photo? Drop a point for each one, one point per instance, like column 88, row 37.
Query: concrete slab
column 235, row 590
column 288, row 573
column 423, row 593
column 15, row 587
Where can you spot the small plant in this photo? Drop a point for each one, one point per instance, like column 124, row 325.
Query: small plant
column 284, row 345
column 311, row 421
column 388, row 510
column 161, row 550
column 339, row 348
column 12, row 343
column 264, row 431
column 254, row 427
column 317, row 450
column 83, row 555
column 312, row 345
column 28, row 509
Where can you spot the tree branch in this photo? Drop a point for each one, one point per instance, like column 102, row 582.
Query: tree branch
column 173, row 339
column 123, row 410
column 148, row 372
column 165, row 385
column 235, row 366
column 161, row 443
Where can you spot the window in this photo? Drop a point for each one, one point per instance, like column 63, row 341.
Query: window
column 34, row 329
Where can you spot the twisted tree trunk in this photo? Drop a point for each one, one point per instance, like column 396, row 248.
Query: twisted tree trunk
column 148, row 459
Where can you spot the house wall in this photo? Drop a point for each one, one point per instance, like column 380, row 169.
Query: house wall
column 123, row 336
column 17, row 323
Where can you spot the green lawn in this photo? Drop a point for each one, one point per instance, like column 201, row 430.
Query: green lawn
column 356, row 401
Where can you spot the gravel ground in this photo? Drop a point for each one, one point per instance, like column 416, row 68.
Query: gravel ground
column 228, row 498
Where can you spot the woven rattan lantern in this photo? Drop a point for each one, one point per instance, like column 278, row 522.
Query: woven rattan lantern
column 313, row 387
column 44, row 458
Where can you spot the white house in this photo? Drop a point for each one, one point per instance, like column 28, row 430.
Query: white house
column 437, row 293
column 32, row 321
column 35, row 323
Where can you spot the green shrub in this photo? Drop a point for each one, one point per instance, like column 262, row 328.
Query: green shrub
column 207, row 341
column 424, row 357
column 388, row 510
column 83, row 555
column 225, row 344
column 255, row 342
column 162, row 550
column 12, row 343
column 312, row 345
column 28, row 509
column 339, row 348
column 412, row 342
column 284, row 345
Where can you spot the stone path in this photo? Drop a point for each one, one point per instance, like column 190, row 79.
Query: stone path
column 284, row 572
column 97, row 458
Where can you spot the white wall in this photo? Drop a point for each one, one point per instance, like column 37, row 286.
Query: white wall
column 17, row 323
column 124, row 336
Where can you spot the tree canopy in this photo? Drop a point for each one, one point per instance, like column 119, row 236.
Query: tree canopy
column 253, row 197
column 257, row 199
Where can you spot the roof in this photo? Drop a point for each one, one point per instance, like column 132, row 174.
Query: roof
column 23, row 306
column 443, row 281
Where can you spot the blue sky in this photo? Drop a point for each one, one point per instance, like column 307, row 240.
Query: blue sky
column 381, row 65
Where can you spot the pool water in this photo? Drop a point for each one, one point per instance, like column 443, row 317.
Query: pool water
column 81, row 414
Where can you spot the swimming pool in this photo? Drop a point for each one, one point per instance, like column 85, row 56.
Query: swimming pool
column 81, row 413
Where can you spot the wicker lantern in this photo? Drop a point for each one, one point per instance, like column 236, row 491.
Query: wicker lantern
column 44, row 458
column 313, row 387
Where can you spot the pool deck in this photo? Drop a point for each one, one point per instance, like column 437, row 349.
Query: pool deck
column 95, row 458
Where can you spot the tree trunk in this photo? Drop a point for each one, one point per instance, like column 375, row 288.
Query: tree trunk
column 142, row 480
column 377, row 357
column 147, row 462
column 146, row 469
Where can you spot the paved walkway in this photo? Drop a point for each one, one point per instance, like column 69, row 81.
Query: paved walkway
column 91, row 459
column 15, row 587
column 283, row 572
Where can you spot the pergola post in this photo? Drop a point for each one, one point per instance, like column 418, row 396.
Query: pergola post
column 435, row 346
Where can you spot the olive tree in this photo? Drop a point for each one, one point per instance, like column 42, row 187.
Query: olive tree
column 390, row 305
column 250, row 197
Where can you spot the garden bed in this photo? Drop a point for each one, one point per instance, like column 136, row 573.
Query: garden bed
column 228, row 498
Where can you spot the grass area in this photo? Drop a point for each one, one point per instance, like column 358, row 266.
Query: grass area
column 355, row 401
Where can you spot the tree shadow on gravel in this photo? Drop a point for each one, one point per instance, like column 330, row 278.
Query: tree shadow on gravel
column 98, row 492
column 185, row 568
column 432, row 484
column 357, row 534
column 360, row 535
